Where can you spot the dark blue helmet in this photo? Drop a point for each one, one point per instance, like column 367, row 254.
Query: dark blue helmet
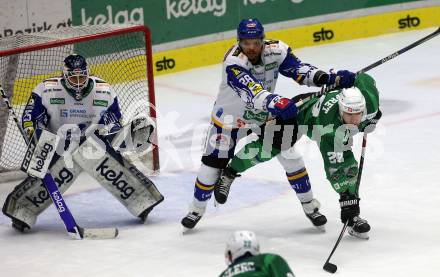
column 250, row 28
column 75, row 61
column 76, row 74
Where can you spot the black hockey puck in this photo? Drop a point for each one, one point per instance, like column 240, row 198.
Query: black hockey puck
column 329, row 267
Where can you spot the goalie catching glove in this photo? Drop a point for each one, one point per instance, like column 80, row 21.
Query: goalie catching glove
column 136, row 136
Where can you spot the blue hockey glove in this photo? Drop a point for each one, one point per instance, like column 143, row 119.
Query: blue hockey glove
column 281, row 106
column 342, row 79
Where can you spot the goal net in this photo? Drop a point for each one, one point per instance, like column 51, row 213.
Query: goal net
column 119, row 54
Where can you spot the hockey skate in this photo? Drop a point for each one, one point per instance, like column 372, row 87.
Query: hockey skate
column 311, row 209
column 191, row 219
column 196, row 211
column 222, row 187
column 358, row 227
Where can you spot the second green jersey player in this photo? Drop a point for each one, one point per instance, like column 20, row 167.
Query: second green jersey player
column 244, row 259
column 331, row 120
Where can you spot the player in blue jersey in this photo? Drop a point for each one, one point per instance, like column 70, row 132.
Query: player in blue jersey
column 245, row 102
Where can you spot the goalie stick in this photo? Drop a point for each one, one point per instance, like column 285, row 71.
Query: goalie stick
column 328, row 266
column 324, row 90
column 73, row 229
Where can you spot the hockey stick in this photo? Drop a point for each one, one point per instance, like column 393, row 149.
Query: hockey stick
column 328, row 266
column 73, row 229
column 371, row 66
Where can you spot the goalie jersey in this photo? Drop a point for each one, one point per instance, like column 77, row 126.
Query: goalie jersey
column 244, row 87
column 52, row 106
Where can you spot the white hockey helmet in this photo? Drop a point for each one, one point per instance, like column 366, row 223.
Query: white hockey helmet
column 240, row 243
column 351, row 100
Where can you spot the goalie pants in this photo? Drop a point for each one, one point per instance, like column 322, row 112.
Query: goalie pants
column 122, row 179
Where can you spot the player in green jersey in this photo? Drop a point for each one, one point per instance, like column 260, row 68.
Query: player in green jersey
column 331, row 120
column 243, row 258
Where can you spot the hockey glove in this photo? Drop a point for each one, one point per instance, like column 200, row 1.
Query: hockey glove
column 281, row 106
column 342, row 79
column 349, row 207
column 370, row 125
column 141, row 131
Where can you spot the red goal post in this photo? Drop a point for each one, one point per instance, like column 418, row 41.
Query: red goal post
column 119, row 54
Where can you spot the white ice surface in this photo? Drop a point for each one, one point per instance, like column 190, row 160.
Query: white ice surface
column 400, row 187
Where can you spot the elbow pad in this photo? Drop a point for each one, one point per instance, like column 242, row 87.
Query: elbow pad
column 321, row 78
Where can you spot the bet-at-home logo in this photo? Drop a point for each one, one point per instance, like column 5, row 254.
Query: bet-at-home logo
column 135, row 16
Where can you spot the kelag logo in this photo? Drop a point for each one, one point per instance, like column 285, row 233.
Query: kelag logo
column 408, row 22
column 165, row 64
column 135, row 16
column 323, row 35
column 183, row 8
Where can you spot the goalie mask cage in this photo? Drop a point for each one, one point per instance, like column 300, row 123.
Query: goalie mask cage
column 119, row 54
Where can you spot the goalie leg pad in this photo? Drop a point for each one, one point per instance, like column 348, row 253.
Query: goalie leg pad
column 122, row 179
column 30, row 198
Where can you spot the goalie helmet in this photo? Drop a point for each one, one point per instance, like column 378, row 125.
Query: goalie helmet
column 250, row 28
column 76, row 74
column 351, row 101
column 240, row 243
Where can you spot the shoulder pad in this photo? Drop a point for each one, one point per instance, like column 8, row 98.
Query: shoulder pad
column 233, row 50
column 52, row 82
column 271, row 41
column 98, row 80
column 239, row 59
column 236, row 52
column 53, row 79
column 100, row 83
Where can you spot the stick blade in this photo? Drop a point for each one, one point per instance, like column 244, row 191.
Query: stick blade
column 329, row 267
column 99, row 233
